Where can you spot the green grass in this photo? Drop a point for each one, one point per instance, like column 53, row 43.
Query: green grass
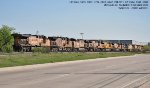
column 38, row 58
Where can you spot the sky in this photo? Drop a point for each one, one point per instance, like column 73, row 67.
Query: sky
column 61, row 18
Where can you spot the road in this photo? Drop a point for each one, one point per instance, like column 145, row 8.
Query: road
column 121, row 72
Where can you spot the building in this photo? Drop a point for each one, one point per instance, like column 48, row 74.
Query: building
column 149, row 44
column 127, row 42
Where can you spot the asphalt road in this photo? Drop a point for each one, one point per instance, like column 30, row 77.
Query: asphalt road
column 122, row 72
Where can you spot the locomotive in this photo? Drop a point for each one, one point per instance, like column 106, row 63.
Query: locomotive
column 27, row 42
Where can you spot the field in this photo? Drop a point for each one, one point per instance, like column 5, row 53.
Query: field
column 9, row 60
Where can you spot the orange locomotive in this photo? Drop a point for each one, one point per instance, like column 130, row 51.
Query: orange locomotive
column 26, row 43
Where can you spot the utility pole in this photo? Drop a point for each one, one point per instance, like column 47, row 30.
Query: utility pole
column 82, row 35
column 37, row 32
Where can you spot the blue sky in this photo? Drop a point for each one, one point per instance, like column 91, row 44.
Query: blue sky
column 60, row 18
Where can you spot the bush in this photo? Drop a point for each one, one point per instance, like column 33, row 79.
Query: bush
column 146, row 48
column 6, row 39
column 7, row 48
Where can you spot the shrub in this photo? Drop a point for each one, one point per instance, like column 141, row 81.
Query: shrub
column 6, row 39
column 146, row 48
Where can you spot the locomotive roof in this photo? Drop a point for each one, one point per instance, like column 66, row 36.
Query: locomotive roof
column 72, row 39
column 90, row 41
column 41, row 36
column 26, row 35
column 64, row 38
column 21, row 35
column 54, row 38
column 80, row 39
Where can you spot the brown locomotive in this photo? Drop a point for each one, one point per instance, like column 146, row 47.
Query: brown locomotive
column 26, row 43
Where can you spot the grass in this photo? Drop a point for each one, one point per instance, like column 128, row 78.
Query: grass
column 38, row 58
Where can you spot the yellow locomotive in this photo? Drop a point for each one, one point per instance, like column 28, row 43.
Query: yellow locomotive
column 26, row 43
